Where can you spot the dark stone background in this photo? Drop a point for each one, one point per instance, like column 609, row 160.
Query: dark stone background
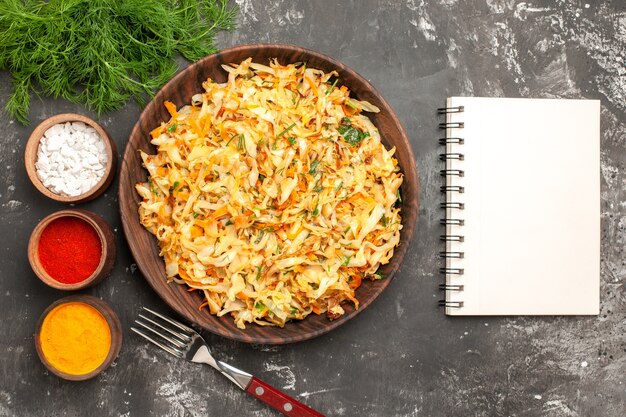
column 402, row 356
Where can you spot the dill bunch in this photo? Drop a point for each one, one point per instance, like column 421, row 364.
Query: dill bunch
column 102, row 52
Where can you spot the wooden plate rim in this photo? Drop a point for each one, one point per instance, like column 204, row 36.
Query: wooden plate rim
column 127, row 199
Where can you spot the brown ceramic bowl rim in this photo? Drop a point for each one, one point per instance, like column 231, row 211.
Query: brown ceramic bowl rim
column 33, row 249
column 32, row 146
column 112, row 320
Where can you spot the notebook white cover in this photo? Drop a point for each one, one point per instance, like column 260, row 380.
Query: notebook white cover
column 531, row 207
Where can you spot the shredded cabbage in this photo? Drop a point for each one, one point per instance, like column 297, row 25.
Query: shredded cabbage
column 272, row 194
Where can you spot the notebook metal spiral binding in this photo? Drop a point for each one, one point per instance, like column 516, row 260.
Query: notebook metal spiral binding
column 452, row 304
column 448, row 173
column 445, row 287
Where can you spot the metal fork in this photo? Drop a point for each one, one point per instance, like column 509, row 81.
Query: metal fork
column 184, row 342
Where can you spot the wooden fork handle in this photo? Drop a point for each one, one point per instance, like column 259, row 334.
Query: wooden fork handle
column 279, row 401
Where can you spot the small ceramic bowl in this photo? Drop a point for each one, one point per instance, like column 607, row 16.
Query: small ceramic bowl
column 114, row 326
column 32, row 147
column 107, row 239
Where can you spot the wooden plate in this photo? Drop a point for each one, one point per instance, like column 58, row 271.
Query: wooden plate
column 144, row 245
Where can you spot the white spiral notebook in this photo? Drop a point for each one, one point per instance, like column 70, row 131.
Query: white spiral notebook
column 522, row 206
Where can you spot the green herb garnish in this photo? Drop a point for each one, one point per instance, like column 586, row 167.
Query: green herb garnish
column 350, row 134
column 258, row 272
column 292, row 141
column 241, row 143
column 313, row 169
column 262, row 233
column 229, row 222
column 398, row 196
column 231, row 139
column 172, row 128
column 352, row 106
column 175, row 186
column 328, row 91
column 101, row 53
column 286, row 130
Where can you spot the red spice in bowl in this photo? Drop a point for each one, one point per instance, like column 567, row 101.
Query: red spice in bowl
column 72, row 249
column 69, row 250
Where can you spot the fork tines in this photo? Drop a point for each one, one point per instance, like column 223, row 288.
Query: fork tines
column 172, row 336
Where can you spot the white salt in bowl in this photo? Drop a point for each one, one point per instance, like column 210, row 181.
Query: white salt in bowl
column 31, row 158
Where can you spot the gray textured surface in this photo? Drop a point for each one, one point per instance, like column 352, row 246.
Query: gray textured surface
column 401, row 357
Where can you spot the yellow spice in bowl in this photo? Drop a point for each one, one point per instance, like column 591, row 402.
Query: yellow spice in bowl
column 75, row 338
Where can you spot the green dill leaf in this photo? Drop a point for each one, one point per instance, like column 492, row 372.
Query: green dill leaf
column 258, row 272
column 102, row 53
column 398, row 195
column 384, row 220
column 258, row 239
column 229, row 222
column 292, row 141
column 351, row 134
column 175, row 186
column 314, row 165
column 259, row 306
column 231, row 138
column 328, row 91
column 241, row 143
column 346, row 261
column 291, row 126
column 195, row 215
column 316, row 211
column 339, row 187
column 172, row 128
